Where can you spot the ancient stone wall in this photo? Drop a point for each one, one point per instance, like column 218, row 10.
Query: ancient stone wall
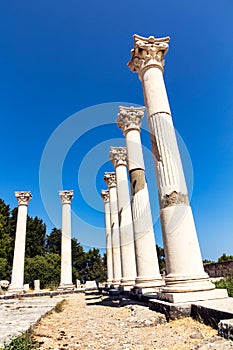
column 219, row 269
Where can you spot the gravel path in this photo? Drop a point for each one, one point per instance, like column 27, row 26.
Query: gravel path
column 87, row 322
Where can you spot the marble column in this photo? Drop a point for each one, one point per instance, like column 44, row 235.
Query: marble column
column 17, row 278
column 110, row 180
column 118, row 157
column 105, row 196
column 66, row 257
column 185, row 272
column 148, row 275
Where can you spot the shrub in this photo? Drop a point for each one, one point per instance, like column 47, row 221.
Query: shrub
column 23, row 342
column 226, row 283
column 45, row 268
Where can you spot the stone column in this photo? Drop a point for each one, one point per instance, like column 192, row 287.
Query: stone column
column 118, row 157
column 185, row 272
column 17, row 278
column 105, row 196
column 148, row 275
column 110, row 180
column 66, row 257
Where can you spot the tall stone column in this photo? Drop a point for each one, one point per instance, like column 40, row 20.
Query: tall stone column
column 185, row 272
column 66, row 257
column 110, row 180
column 118, row 157
column 17, row 278
column 148, row 275
column 105, row 196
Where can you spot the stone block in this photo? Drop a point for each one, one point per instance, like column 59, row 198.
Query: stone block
column 36, row 285
column 193, row 296
column 225, row 329
column 78, row 284
column 211, row 312
column 91, row 285
column 26, row 287
column 170, row 310
column 4, row 284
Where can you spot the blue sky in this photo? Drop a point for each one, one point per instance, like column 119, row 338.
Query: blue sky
column 61, row 57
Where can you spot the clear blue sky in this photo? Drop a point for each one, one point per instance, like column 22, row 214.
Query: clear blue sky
column 59, row 57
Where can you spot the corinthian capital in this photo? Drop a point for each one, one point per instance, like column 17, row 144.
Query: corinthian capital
column 118, row 156
column 23, row 198
column 129, row 118
column 110, row 179
column 105, row 195
column 66, row 196
column 148, row 52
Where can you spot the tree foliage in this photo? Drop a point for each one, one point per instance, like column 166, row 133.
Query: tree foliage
column 226, row 283
column 45, row 268
column 161, row 258
column 53, row 242
column 95, row 268
column 225, row 257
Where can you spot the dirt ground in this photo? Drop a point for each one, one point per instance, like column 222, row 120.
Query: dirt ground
column 88, row 322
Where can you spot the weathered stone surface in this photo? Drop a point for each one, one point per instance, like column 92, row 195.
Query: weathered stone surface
column 214, row 343
column 225, row 329
column 211, row 312
column 18, row 316
column 170, row 310
column 141, row 316
column 219, row 269
column 4, row 284
column 91, row 285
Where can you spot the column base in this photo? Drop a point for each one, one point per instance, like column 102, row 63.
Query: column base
column 116, row 282
column 128, row 282
column 13, row 290
column 145, row 282
column 180, row 285
column 66, row 287
column 193, row 296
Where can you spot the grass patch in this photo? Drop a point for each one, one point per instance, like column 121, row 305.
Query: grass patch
column 226, row 283
column 23, row 342
column 60, row 306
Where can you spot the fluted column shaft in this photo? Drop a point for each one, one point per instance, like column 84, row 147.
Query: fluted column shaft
column 110, row 179
column 105, row 196
column 118, row 156
column 183, row 257
column 66, row 253
column 148, row 275
column 17, row 278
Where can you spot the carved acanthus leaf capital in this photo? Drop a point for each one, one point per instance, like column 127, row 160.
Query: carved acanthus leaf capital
column 110, row 179
column 105, row 195
column 174, row 198
column 148, row 52
column 66, row 196
column 23, row 198
column 118, row 156
column 129, row 118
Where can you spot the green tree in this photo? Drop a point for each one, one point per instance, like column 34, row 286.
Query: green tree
column 53, row 242
column 95, row 268
column 45, row 268
column 207, row 261
column 5, row 269
column 225, row 257
column 161, row 258
column 78, row 260
column 35, row 237
column 6, row 241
